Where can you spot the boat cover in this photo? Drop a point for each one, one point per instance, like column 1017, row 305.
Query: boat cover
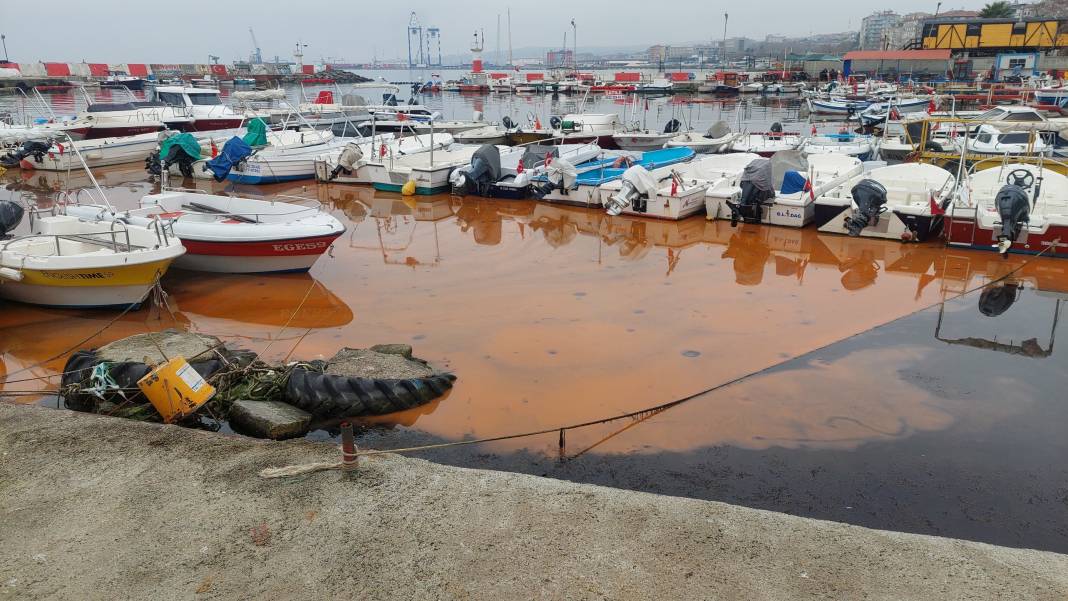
column 783, row 162
column 758, row 173
column 188, row 143
column 718, row 130
column 793, row 182
column 260, row 95
column 257, row 133
column 233, row 152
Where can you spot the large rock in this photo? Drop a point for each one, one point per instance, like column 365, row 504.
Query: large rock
column 369, row 363
column 145, row 348
column 404, row 350
column 269, row 419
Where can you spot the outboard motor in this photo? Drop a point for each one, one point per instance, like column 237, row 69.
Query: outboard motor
column 389, row 99
column 870, row 198
column 561, row 175
column 756, row 184
column 10, row 216
column 34, row 149
column 1014, row 208
column 347, row 161
column 776, row 128
column 507, row 122
column 672, row 126
column 638, row 186
column 484, row 171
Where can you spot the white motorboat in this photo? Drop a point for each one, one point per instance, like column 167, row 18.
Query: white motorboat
column 900, row 202
column 1013, row 207
column 70, row 263
column 228, row 234
column 847, row 144
column 584, row 128
column 717, row 139
column 656, row 86
column 767, row 143
column 776, row 191
column 988, row 140
column 429, row 170
column 355, row 162
column 487, row 134
column 97, row 152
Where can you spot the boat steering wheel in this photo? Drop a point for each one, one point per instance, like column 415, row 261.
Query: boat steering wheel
column 1022, row 178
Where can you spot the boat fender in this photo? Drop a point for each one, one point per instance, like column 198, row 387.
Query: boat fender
column 408, row 189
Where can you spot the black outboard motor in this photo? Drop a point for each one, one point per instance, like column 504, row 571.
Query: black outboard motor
column 10, row 216
column 672, row 126
column 1014, row 208
column 870, row 198
column 756, row 184
column 776, row 128
column 389, row 99
column 35, row 149
column 507, row 122
column 178, row 156
column 485, row 169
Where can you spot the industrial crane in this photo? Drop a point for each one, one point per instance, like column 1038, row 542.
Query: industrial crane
column 257, row 56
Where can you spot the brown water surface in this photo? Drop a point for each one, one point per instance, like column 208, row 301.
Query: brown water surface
column 552, row 316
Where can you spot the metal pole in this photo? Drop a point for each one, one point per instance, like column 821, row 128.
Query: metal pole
column 724, row 57
column 3, row 39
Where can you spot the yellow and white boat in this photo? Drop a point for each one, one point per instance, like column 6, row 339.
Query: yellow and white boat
column 69, row 263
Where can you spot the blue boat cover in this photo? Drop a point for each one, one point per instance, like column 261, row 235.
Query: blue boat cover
column 232, row 153
column 793, row 182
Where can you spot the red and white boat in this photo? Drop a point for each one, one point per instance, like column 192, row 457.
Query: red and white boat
column 225, row 234
column 975, row 219
column 174, row 107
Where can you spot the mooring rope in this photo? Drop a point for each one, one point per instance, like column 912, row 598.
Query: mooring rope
column 295, row 470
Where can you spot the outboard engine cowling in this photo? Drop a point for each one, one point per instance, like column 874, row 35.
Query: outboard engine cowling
column 10, row 216
column 870, row 198
column 484, row 171
column 35, row 149
column 757, row 187
column 348, row 160
column 560, row 175
column 672, row 126
column 638, row 186
column 1014, row 208
column 507, row 122
column 776, row 128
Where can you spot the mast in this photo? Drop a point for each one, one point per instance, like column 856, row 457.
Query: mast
column 509, row 37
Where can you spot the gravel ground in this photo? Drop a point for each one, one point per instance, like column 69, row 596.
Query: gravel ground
column 101, row 508
column 370, row 364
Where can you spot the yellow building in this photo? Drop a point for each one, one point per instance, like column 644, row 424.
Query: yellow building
column 996, row 34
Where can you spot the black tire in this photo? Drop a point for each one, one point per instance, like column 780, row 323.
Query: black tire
column 80, row 366
column 325, row 396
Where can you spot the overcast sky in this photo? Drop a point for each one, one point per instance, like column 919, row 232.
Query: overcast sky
column 189, row 30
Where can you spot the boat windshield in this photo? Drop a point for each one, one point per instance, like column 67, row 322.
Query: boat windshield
column 204, row 99
column 171, row 98
column 991, row 115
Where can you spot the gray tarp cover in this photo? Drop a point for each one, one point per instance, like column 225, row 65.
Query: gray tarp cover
column 719, row 129
column 491, row 157
column 787, row 160
column 759, row 174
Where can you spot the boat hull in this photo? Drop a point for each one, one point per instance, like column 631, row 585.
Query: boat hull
column 97, row 131
column 87, row 288
column 965, row 233
column 214, row 124
column 261, row 256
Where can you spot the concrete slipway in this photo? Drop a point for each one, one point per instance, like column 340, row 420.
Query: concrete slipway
column 99, row 508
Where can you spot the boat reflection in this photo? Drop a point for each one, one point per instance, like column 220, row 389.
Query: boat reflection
column 396, row 219
column 297, row 300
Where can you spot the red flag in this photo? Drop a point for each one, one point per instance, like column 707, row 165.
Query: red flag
column 674, row 186
column 519, row 169
column 214, row 149
column 537, row 123
column 60, row 147
column 931, row 106
column 382, row 150
column 935, row 208
column 808, row 188
column 813, row 129
column 402, row 117
column 548, row 159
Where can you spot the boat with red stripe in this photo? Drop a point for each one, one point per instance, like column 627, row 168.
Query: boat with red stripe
column 230, row 234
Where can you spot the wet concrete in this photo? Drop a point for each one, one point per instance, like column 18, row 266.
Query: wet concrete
column 552, row 316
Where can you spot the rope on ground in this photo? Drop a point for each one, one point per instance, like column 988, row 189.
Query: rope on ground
column 295, row 470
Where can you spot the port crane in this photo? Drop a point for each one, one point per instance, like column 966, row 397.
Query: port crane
column 257, row 56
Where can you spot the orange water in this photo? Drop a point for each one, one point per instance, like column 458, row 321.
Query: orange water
column 551, row 316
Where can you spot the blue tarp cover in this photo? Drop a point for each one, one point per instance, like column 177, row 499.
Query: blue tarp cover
column 233, row 151
column 793, row 182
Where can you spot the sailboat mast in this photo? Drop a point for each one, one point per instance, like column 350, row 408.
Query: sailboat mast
column 509, row 37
